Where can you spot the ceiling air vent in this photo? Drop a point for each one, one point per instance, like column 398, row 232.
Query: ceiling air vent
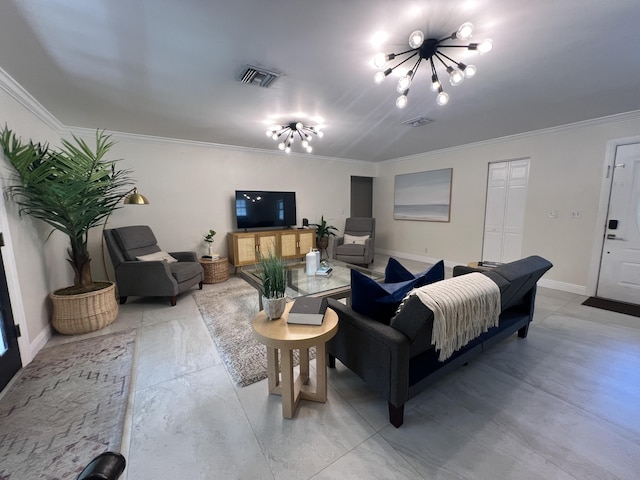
column 258, row 76
column 417, row 122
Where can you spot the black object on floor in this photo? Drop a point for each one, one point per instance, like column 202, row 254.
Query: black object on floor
column 613, row 306
column 106, row 466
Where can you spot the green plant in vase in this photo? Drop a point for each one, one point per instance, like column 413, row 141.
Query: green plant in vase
column 274, row 284
column 208, row 238
column 72, row 189
column 323, row 232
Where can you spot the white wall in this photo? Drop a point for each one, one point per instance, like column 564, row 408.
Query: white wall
column 565, row 174
column 34, row 267
column 191, row 188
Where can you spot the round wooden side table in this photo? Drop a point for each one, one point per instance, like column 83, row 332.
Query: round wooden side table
column 215, row 271
column 279, row 335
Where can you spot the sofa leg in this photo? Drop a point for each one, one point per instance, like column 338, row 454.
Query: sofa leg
column 332, row 360
column 200, row 285
column 396, row 415
column 173, row 300
column 123, row 300
column 522, row 333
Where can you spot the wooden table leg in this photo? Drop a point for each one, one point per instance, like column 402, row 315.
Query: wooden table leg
column 304, row 365
column 273, row 370
column 321, row 372
column 288, row 387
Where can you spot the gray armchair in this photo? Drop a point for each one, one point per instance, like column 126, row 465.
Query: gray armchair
column 149, row 278
column 361, row 252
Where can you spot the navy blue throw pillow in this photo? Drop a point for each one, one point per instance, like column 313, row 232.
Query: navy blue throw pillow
column 395, row 272
column 375, row 300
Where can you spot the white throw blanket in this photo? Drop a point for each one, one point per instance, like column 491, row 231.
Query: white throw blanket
column 463, row 307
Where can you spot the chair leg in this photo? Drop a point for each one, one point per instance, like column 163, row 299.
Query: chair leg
column 396, row 415
column 173, row 300
column 200, row 285
column 332, row 361
column 123, row 300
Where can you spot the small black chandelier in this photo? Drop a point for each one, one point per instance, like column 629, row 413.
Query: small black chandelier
column 290, row 132
column 428, row 49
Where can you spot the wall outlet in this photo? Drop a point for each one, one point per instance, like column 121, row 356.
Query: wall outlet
column 575, row 214
column 553, row 214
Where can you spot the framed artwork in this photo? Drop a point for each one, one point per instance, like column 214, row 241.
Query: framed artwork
column 423, row 196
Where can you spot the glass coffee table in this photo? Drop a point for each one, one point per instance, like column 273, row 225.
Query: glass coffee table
column 299, row 284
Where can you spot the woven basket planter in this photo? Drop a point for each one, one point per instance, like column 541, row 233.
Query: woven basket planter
column 85, row 312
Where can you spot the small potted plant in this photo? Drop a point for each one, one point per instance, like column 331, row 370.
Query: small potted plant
column 208, row 238
column 323, row 231
column 274, row 283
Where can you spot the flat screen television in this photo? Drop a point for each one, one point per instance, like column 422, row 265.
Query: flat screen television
column 265, row 209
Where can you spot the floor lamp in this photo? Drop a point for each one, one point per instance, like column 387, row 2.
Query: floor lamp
column 133, row 197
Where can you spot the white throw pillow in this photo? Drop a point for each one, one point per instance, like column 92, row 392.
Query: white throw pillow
column 351, row 239
column 157, row 256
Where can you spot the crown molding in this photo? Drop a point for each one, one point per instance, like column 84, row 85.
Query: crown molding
column 82, row 131
column 24, row 98
column 619, row 117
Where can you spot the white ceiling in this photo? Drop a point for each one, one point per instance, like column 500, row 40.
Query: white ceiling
column 170, row 68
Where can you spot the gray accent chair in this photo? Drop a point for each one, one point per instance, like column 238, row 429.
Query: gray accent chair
column 356, row 253
column 144, row 278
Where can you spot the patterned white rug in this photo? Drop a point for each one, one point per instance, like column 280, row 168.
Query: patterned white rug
column 67, row 406
column 227, row 309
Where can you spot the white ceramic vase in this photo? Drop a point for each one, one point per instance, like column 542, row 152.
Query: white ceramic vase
column 274, row 307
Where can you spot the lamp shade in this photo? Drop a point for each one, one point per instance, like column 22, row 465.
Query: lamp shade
column 136, row 198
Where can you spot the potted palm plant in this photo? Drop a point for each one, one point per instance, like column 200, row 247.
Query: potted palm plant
column 323, row 231
column 73, row 189
column 274, row 284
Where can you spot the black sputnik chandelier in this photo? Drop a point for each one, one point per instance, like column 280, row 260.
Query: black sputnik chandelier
column 430, row 49
column 292, row 131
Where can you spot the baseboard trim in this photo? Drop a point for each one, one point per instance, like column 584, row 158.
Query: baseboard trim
column 546, row 283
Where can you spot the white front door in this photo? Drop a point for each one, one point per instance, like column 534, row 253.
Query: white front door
column 505, row 210
column 620, row 263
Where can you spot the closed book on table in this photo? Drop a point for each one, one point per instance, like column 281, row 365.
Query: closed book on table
column 307, row 311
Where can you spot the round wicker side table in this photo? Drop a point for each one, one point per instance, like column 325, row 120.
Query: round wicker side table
column 215, row 271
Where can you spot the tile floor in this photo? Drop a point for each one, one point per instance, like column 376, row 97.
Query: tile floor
column 562, row 404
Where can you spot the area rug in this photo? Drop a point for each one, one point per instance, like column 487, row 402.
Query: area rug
column 613, row 306
column 64, row 408
column 227, row 310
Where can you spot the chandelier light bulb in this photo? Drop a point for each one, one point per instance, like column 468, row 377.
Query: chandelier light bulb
column 455, row 76
column 379, row 60
column 435, row 83
column 287, row 150
column 275, row 135
column 416, row 39
column 320, row 133
column 485, row 46
column 305, row 143
column 404, row 82
column 402, row 101
column 470, row 71
column 379, row 77
column 299, row 126
column 442, row 98
column 465, row 31
column 281, row 145
column 309, row 149
column 270, row 133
